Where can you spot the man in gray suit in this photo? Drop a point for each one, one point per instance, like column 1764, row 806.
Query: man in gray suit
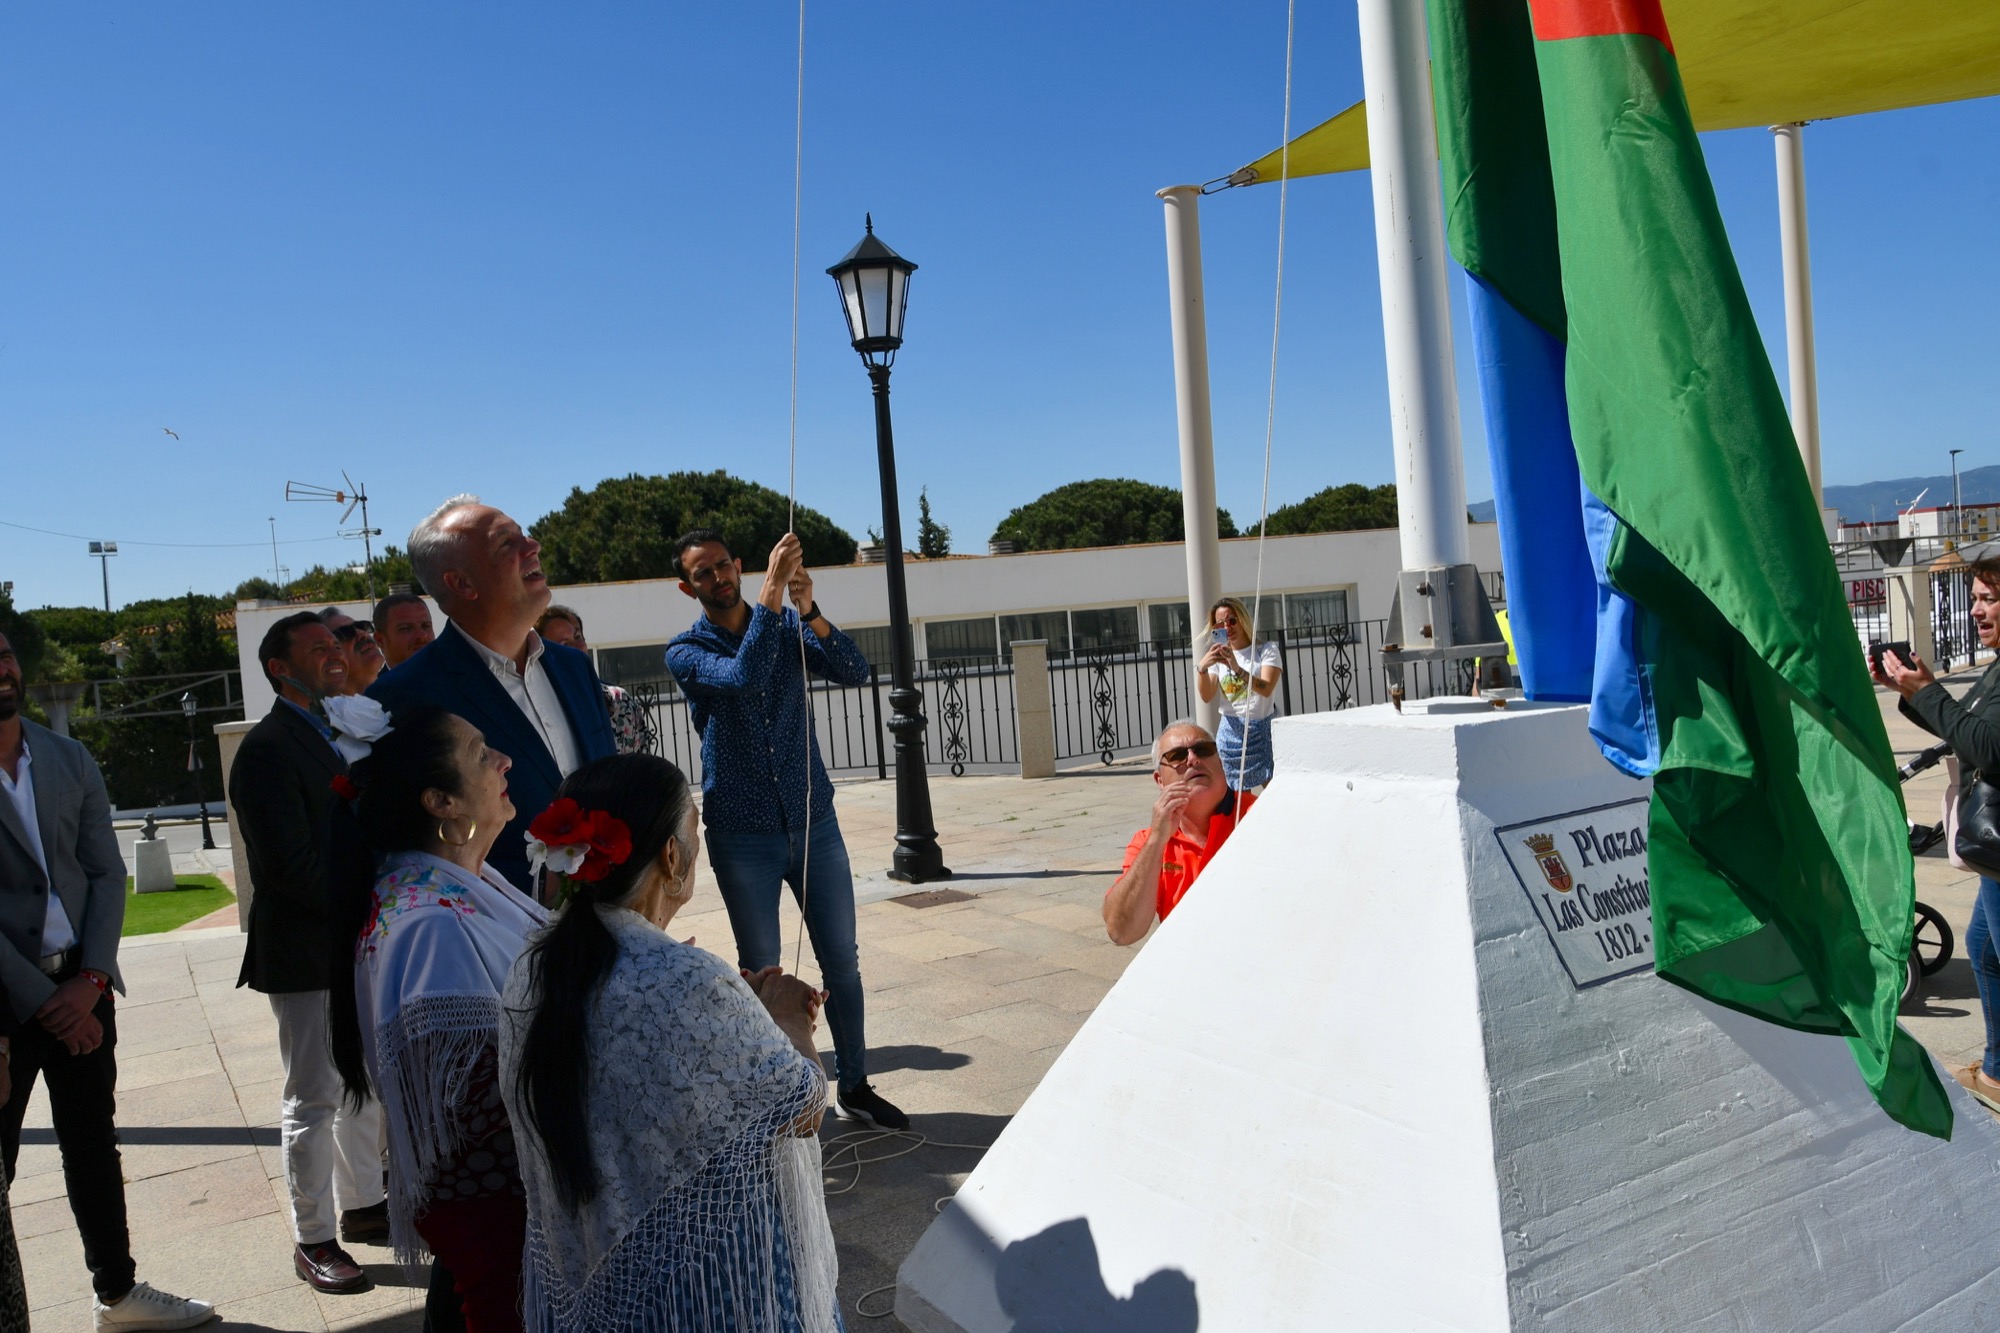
column 62, row 906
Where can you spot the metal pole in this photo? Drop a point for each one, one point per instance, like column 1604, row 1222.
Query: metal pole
column 917, row 857
column 1957, row 502
column 1190, row 326
column 1799, row 355
column 1412, row 262
column 104, row 567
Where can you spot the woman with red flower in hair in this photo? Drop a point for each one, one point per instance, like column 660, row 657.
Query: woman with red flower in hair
column 426, row 933
column 668, row 1106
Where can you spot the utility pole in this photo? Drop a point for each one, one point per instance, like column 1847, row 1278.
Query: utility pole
column 104, row 551
column 1957, row 505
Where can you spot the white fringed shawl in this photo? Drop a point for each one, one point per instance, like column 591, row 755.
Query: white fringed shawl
column 691, row 1091
column 428, row 972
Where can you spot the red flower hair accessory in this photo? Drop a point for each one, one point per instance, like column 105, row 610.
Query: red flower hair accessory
column 343, row 787
column 582, row 844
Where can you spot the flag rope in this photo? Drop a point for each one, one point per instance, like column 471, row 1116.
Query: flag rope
column 1271, row 396
column 792, row 481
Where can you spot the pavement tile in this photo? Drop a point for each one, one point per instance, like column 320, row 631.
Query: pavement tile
column 998, row 967
column 1076, row 919
column 1028, row 1024
column 212, row 1195
column 167, row 1066
column 165, row 1026
column 928, row 946
column 1074, row 992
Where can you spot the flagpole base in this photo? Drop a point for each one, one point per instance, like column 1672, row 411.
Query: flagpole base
column 1399, row 1060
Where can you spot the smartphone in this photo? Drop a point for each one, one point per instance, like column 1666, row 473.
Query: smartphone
column 1220, row 637
column 1901, row 648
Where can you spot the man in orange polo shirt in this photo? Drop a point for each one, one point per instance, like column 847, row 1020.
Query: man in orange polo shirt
column 1193, row 816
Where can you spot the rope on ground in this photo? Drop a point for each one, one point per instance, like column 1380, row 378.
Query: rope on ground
column 846, row 1151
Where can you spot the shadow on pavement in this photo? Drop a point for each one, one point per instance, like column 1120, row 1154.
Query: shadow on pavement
column 262, row 1136
column 884, row 1059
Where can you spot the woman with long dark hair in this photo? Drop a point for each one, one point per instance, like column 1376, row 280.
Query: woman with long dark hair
column 427, row 932
column 667, row 1106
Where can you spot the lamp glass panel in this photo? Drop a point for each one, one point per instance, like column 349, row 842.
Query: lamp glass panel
column 899, row 299
column 874, row 301
column 850, row 299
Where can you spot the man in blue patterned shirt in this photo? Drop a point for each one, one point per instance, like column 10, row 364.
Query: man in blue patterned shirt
column 767, row 803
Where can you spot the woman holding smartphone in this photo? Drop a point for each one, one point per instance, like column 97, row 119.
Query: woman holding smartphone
column 1246, row 678
column 1972, row 725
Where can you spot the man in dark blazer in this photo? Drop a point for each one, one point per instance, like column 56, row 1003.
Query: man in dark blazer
column 538, row 703
column 281, row 786
column 62, row 908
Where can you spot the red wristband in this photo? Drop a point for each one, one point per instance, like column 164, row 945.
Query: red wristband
column 97, row 979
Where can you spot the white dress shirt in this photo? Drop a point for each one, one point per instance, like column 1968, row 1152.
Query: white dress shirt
column 57, row 933
column 535, row 695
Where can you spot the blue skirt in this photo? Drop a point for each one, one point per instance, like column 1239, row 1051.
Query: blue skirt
column 1247, row 747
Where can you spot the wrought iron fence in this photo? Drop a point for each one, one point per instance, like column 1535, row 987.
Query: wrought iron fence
column 1109, row 703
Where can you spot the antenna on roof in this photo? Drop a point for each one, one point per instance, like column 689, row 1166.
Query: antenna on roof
column 352, row 495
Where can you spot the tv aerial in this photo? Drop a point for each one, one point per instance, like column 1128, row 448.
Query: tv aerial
column 353, row 495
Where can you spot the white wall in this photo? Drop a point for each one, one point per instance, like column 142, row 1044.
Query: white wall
column 654, row 610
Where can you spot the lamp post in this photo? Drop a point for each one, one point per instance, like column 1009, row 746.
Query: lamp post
column 1957, row 506
column 874, row 284
column 188, row 709
column 104, row 551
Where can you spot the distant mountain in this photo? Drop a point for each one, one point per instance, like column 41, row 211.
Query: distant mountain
column 1877, row 500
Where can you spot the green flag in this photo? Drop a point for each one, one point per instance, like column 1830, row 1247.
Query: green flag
column 1781, row 873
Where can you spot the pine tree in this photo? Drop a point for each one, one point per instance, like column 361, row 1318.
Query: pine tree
column 933, row 538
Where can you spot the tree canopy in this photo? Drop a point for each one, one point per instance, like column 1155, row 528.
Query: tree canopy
column 1107, row 511
column 23, row 633
column 624, row 527
column 1336, row 509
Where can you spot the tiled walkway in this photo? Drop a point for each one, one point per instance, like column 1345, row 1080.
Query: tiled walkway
column 970, row 1001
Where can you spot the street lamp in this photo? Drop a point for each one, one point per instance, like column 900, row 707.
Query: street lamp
column 874, row 284
column 1957, row 506
column 104, row 551
column 188, row 709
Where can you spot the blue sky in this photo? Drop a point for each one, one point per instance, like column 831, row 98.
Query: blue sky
column 515, row 248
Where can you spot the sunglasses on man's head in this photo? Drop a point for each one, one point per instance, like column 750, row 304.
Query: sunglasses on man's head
column 354, row 627
column 1200, row 750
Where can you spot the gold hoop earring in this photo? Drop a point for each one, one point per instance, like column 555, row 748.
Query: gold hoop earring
column 472, row 831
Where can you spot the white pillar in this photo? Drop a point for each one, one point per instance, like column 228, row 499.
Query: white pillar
column 1790, row 142
column 1190, row 324
column 1411, row 256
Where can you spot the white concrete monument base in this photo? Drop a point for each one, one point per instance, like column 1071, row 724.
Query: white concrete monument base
column 153, row 866
column 1353, row 1083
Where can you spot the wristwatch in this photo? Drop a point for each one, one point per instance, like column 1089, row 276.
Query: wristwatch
column 810, row 614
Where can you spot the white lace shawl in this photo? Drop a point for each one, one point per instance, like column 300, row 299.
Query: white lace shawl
column 428, row 971
column 692, row 1090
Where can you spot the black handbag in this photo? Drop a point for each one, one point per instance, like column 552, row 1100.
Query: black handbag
column 1977, row 838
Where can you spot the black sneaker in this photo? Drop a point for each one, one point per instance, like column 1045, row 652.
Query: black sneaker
column 861, row 1102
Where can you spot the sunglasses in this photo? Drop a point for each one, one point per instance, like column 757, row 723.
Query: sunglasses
column 353, row 628
column 1176, row 756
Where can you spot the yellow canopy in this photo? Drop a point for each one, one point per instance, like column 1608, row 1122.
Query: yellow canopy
column 1766, row 62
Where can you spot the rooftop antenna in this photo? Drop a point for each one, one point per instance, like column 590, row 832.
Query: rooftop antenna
column 352, row 495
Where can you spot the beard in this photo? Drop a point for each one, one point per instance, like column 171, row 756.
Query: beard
column 10, row 706
column 723, row 601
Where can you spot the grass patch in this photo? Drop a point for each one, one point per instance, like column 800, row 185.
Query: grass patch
column 192, row 896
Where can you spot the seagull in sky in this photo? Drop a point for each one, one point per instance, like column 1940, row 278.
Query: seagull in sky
column 175, row 434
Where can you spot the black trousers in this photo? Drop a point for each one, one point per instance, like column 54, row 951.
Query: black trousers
column 82, row 1098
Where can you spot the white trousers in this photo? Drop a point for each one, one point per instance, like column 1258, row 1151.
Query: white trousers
column 333, row 1154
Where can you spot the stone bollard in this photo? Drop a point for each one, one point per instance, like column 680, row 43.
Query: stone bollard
column 152, row 866
column 1034, row 710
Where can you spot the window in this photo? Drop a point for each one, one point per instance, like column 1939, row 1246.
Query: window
column 875, row 644
column 961, row 639
column 1264, row 616
column 1051, row 626
column 641, row 664
column 1169, row 623
column 1311, row 613
column 1105, row 627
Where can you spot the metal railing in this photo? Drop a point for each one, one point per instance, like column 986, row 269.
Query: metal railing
column 1109, row 703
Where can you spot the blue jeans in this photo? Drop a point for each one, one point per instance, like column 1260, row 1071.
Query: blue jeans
column 749, row 867
column 1982, row 953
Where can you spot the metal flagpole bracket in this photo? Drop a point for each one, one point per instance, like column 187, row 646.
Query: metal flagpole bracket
column 1442, row 614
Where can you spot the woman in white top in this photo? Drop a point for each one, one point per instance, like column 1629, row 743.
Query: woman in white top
column 1246, row 679
column 427, row 934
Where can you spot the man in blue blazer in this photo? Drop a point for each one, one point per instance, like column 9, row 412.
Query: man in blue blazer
column 538, row 703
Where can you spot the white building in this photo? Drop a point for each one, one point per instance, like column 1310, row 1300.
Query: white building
column 975, row 606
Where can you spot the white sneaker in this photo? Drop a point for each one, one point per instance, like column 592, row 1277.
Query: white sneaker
column 144, row 1307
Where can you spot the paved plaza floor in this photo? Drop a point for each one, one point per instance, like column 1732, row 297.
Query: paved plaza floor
column 972, row 994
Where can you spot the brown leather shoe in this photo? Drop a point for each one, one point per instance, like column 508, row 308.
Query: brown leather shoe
column 328, row 1268
column 366, row 1226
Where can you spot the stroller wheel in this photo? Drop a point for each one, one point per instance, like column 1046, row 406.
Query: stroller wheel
column 1913, row 971
column 1933, row 939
